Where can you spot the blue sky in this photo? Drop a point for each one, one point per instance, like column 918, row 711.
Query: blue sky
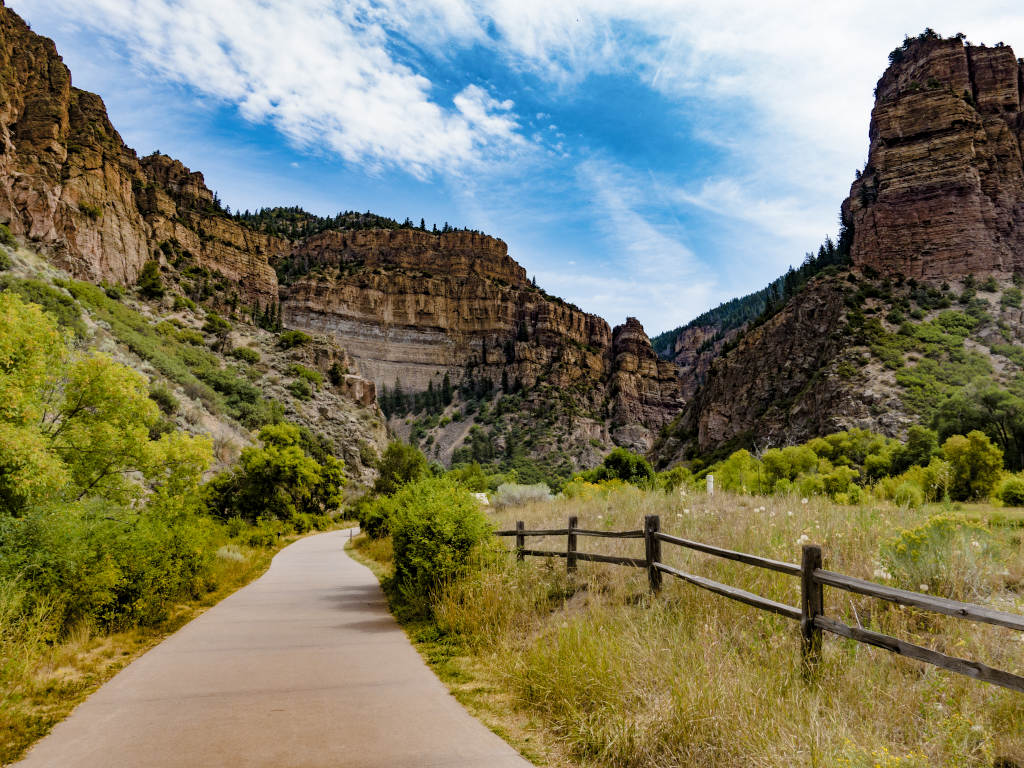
column 640, row 157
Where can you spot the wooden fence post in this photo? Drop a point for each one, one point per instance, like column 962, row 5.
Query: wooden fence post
column 652, row 545
column 812, row 603
column 520, row 540
column 570, row 553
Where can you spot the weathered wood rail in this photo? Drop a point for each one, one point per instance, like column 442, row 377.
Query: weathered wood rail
column 813, row 579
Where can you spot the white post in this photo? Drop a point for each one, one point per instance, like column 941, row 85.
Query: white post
column 711, row 485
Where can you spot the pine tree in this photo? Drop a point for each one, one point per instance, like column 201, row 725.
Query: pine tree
column 446, row 390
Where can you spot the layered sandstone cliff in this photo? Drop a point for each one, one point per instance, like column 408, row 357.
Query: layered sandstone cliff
column 69, row 185
column 942, row 193
column 412, row 307
column 406, row 305
column 940, row 198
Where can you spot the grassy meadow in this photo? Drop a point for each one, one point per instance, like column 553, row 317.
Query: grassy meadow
column 590, row 669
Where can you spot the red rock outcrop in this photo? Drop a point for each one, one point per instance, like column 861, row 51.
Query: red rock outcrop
column 647, row 391
column 943, row 190
column 70, row 185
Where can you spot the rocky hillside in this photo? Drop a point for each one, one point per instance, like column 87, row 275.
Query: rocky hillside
column 887, row 341
column 409, row 307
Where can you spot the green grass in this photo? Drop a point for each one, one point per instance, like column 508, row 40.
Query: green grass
column 591, row 670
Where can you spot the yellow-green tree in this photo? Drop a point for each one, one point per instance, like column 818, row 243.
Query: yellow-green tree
column 74, row 425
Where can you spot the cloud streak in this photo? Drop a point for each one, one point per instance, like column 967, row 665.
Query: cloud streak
column 323, row 74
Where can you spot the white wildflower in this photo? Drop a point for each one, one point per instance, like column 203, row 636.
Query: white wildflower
column 881, row 573
column 975, row 544
column 789, row 513
column 803, row 500
column 923, row 587
column 686, row 511
column 679, row 514
column 804, row 539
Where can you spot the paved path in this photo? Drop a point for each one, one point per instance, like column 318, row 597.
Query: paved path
column 303, row 668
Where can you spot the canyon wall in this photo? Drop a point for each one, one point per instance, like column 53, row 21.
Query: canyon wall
column 71, row 187
column 405, row 305
column 942, row 193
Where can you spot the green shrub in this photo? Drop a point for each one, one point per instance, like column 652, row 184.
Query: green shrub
column 908, row 494
column 164, row 398
column 5, row 262
column 435, row 524
column 6, row 238
column 300, row 389
column 989, row 285
column 1011, row 297
column 621, row 464
column 290, row 339
column 280, row 480
column 673, row 479
column 401, row 464
column 337, row 374
column 105, row 565
column 92, row 211
column 1011, row 491
column 183, row 302
column 150, row 284
column 215, row 324
column 247, row 354
column 374, row 516
column 946, row 556
column 315, row 378
column 57, row 304
column 975, row 465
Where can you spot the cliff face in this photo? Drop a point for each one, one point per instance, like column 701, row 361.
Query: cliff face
column 406, row 305
column 70, row 185
column 942, row 194
column 411, row 307
column 941, row 198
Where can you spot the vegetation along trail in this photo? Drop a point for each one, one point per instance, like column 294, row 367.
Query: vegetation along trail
column 303, row 667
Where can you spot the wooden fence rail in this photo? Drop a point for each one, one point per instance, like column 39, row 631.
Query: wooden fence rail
column 813, row 579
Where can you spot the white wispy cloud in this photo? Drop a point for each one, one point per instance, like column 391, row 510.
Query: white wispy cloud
column 322, row 73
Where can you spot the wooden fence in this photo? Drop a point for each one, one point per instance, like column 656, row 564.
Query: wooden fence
column 813, row 580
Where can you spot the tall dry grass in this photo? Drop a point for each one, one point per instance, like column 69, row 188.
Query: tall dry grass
column 615, row 676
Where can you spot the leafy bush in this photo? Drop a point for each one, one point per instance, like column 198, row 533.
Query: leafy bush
column 435, row 524
column 246, row 354
column 336, row 374
column 164, row 398
column 300, row 389
column 107, row 565
column 975, row 464
column 374, row 516
column 1011, row 297
column 280, row 480
column 678, row 477
column 1011, row 491
column 908, row 494
column 624, row 465
column 5, row 262
column 183, row 302
column 515, row 495
column 150, row 284
column 215, row 324
column 57, row 304
column 290, row 339
column 6, row 237
column 947, row 556
column 315, row 378
column 401, row 464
